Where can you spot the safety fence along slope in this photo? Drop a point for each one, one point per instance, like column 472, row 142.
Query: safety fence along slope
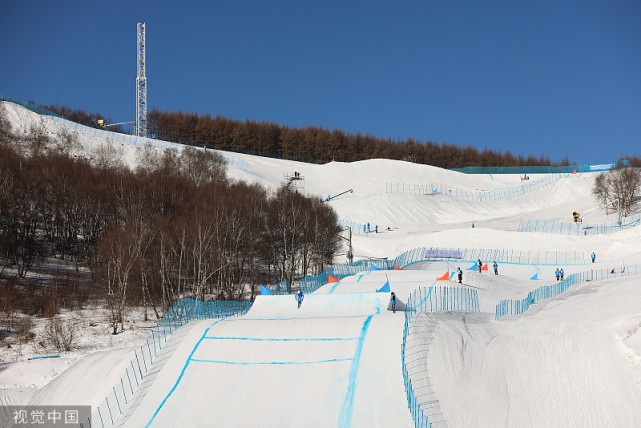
column 489, row 254
column 183, row 312
column 312, row 283
column 464, row 194
column 422, row 403
column 516, row 307
column 578, row 228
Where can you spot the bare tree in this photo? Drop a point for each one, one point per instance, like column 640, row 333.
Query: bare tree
column 149, row 159
column 38, row 138
column 61, row 334
column 107, row 155
column 117, row 251
column 67, row 141
column 620, row 185
column 6, row 132
column 203, row 166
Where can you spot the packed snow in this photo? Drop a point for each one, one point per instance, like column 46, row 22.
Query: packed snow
column 572, row 360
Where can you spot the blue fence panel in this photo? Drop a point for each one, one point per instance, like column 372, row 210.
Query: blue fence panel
column 540, row 169
column 578, row 228
column 466, row 194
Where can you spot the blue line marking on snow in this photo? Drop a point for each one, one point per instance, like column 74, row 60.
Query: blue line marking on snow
column 280, row 363
column 363, row 275
column 302, row 339
column 182, row 373
column 334, row 287
column 348, row 404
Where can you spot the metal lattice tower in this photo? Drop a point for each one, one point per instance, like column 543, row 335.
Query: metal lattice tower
column 141, row 85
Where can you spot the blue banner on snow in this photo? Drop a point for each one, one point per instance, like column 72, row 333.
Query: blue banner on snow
column 443, row 254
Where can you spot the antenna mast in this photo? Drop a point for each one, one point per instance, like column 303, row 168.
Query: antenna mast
column 141, row 85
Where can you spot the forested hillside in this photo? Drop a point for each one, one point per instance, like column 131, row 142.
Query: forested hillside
column 319, row 145
column 312, row 144
column 176, row 227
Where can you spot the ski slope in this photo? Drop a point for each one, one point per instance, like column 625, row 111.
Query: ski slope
column 326, row 364
column 572, row 361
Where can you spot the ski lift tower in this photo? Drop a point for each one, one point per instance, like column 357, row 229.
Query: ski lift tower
column 141, row 86
column 295, row 182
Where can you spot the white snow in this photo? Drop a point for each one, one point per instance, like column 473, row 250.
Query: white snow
column 573, row 360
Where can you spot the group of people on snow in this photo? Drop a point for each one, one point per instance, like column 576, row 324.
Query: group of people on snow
column 367, row 228
column 559, row 274
column 479, row 264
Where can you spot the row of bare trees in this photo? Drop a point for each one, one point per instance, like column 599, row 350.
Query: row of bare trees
column 176, row 227
column 314, row 144
column 620, row 186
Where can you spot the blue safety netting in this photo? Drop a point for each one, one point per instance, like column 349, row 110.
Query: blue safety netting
column 540, row 169
column 578, row 228
column 473, row 195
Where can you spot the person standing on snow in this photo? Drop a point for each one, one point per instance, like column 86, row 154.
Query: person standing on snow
column 480, row 265
column 392, row 300
column 593, row 257
column 561, row 272
column 299, row 297
column 460, row 275
column 496, row 268
column 557, row 273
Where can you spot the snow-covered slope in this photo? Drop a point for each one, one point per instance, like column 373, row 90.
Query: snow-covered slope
column 574, row 360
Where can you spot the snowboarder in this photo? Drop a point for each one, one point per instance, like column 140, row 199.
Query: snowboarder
column 299, row 297
column 392, row 300
column 561, row 272
column 480, row 265
column 460, row 275
column 496, row 268
column 593, row 257
column 557, row 273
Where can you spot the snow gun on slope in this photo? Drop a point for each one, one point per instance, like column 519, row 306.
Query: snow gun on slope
column 329, row 198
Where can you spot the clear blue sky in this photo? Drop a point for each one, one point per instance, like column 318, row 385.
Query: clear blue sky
column 558, row 78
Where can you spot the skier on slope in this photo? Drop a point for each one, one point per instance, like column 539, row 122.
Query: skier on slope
column 480, row 265
column 557, row 273
column 561, row 272
column 496, row 268
column 460, row 275
column 593, row 257
column 299, row 297
column 392, row 300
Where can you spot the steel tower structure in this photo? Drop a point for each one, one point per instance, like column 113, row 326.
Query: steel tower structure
column 141, row 85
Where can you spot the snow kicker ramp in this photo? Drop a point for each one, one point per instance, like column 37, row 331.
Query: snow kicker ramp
column 335, row 362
